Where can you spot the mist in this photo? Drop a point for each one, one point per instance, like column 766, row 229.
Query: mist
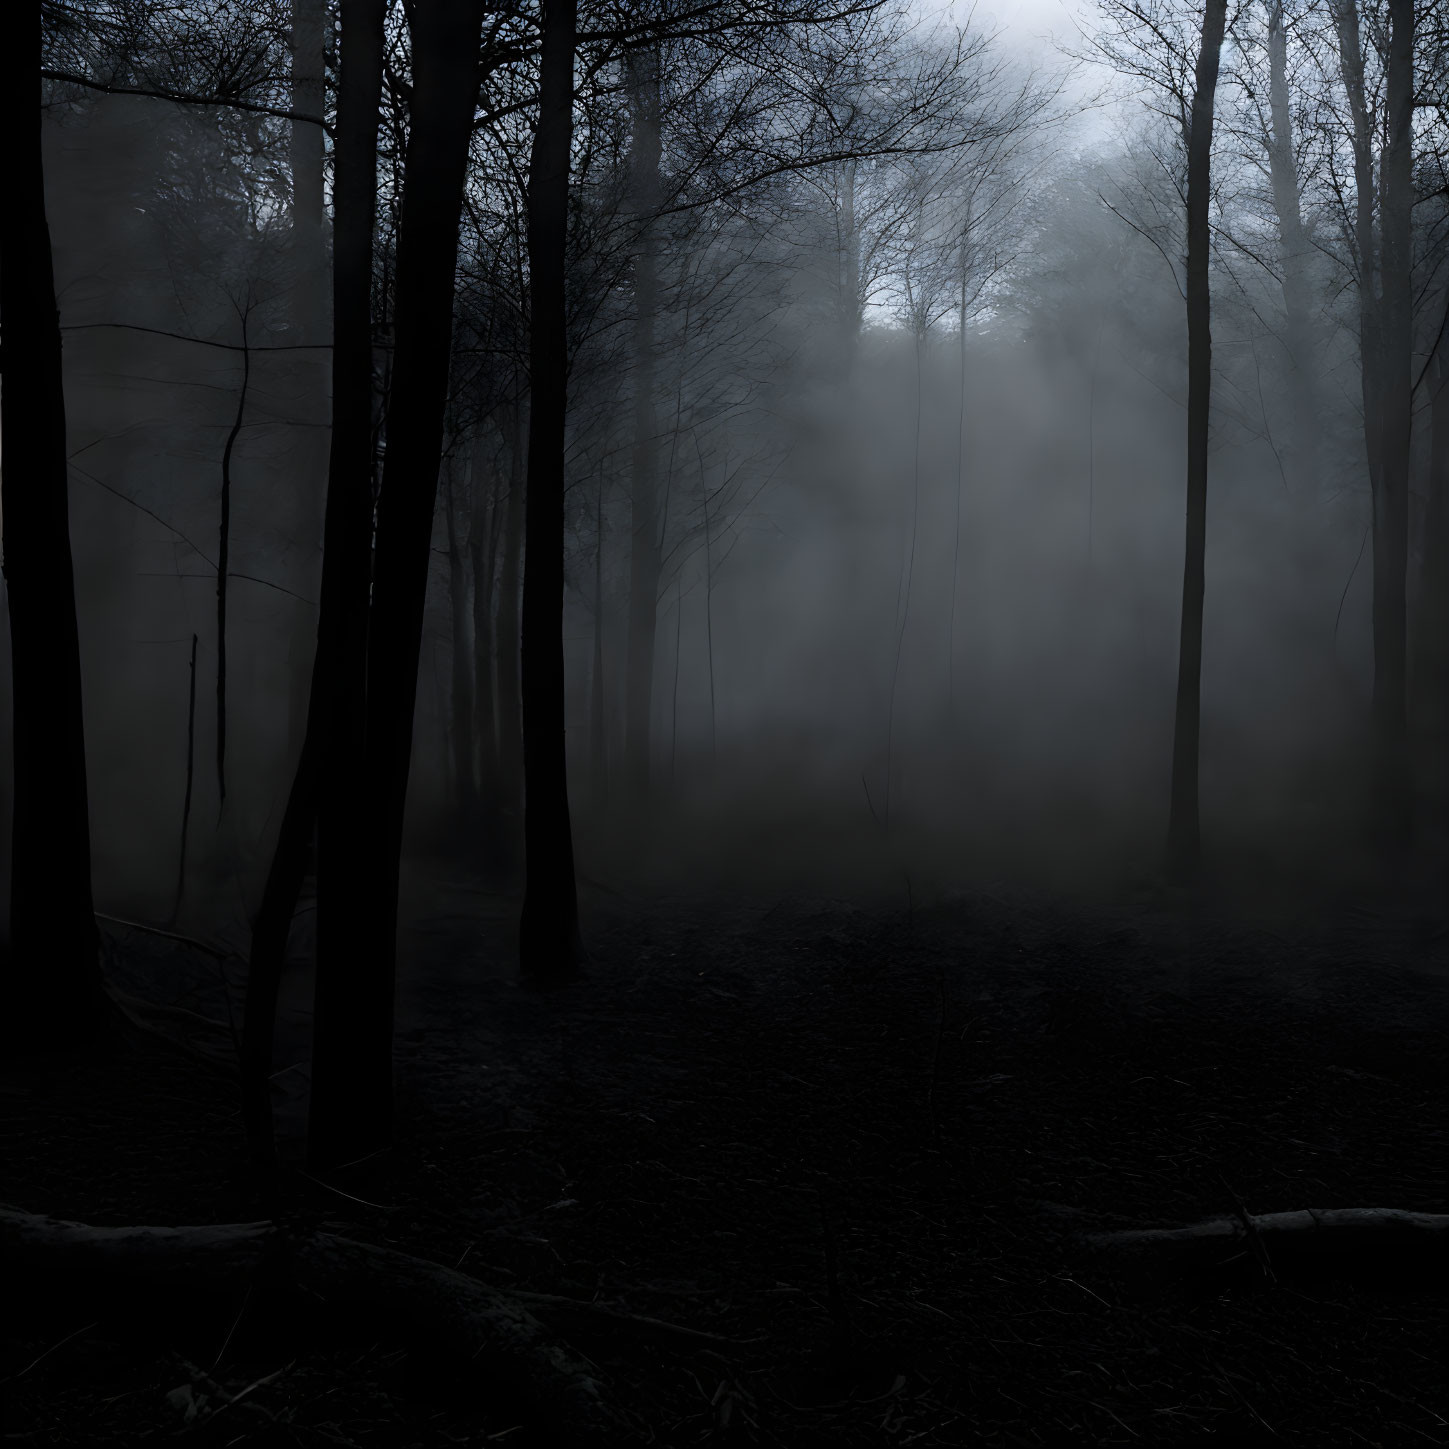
column 762, row 604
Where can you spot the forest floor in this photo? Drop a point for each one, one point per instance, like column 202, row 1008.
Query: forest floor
column 748, row 1097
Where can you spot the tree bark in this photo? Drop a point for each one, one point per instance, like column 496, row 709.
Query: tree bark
column 850, row 309
column 352, row 1094
column 645, row 542
column 309, row 252
column 53, row 987
column 327, row 784
column 1295, row 256
column 1431, row 702
column 550, row 948
column 1385, row 346
column 1392, row 797
column 1184, row 841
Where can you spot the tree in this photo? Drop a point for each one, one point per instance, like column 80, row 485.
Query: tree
column 351, row 1111
column 309, row 253
column 644, row 555
column 861, row 92
column 549, row 944
column 1153, row 43
column 1394, row 403
column 1295, row 250
column 54, row 989
column 1184, row 839
column 1368, row 107
column 327, row 783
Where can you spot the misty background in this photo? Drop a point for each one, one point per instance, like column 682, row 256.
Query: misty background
column 921, row 513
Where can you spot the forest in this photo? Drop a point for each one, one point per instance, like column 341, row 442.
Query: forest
column 728, row 722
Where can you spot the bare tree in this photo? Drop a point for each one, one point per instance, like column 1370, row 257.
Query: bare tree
column 326, row 786
column 1372, row 106
column 53, row 987
column 309, row 252
column 646, row 544
column 352, row 1065
column 549, row 944
column 1176, row 51
column 1184, row 840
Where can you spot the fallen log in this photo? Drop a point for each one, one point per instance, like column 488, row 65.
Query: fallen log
column 474, row 1328
column 1383, row 1245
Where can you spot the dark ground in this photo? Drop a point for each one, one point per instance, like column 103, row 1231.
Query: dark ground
column 934, row 1099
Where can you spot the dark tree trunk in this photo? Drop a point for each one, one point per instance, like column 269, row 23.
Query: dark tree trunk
column 308, row 447
column 549, row 945
column 1392, row 801
column 54, row 991
column 463, row 741
column 850, row 310
column 646, row 544
column 352, row 1079
column 1296, row 254
column 1432, row 634
column 1184, row 843
column 326, row 789
column 1385, row 327
column 508, row 661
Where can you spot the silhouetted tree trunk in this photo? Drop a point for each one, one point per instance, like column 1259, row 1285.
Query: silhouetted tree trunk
column 850, row 315
column 549, row 945
column 463, row 741
column 352, row 1079
column 1184, row 843
column 1432, row 635
column 54, row 991
column 645, row 543
column 327, row 786
column 1393, row 804
column 309, row 253
column 1385, row 342
column 508, row 661
column 961, row 474
column 1296, row 252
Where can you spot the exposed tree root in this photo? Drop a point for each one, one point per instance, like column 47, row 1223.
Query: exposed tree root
column 464, row 1322
column 1375, row 1245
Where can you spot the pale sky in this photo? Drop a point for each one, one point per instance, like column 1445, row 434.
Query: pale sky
column 1035, row 29
column 1027, row 23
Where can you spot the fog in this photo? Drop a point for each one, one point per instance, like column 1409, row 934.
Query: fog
column 724, row 721
column 931, row 628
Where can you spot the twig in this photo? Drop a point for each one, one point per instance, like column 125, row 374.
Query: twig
column 641, row 1321
column 870, row 804
column 61, row 1343
column 1250, row 1231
